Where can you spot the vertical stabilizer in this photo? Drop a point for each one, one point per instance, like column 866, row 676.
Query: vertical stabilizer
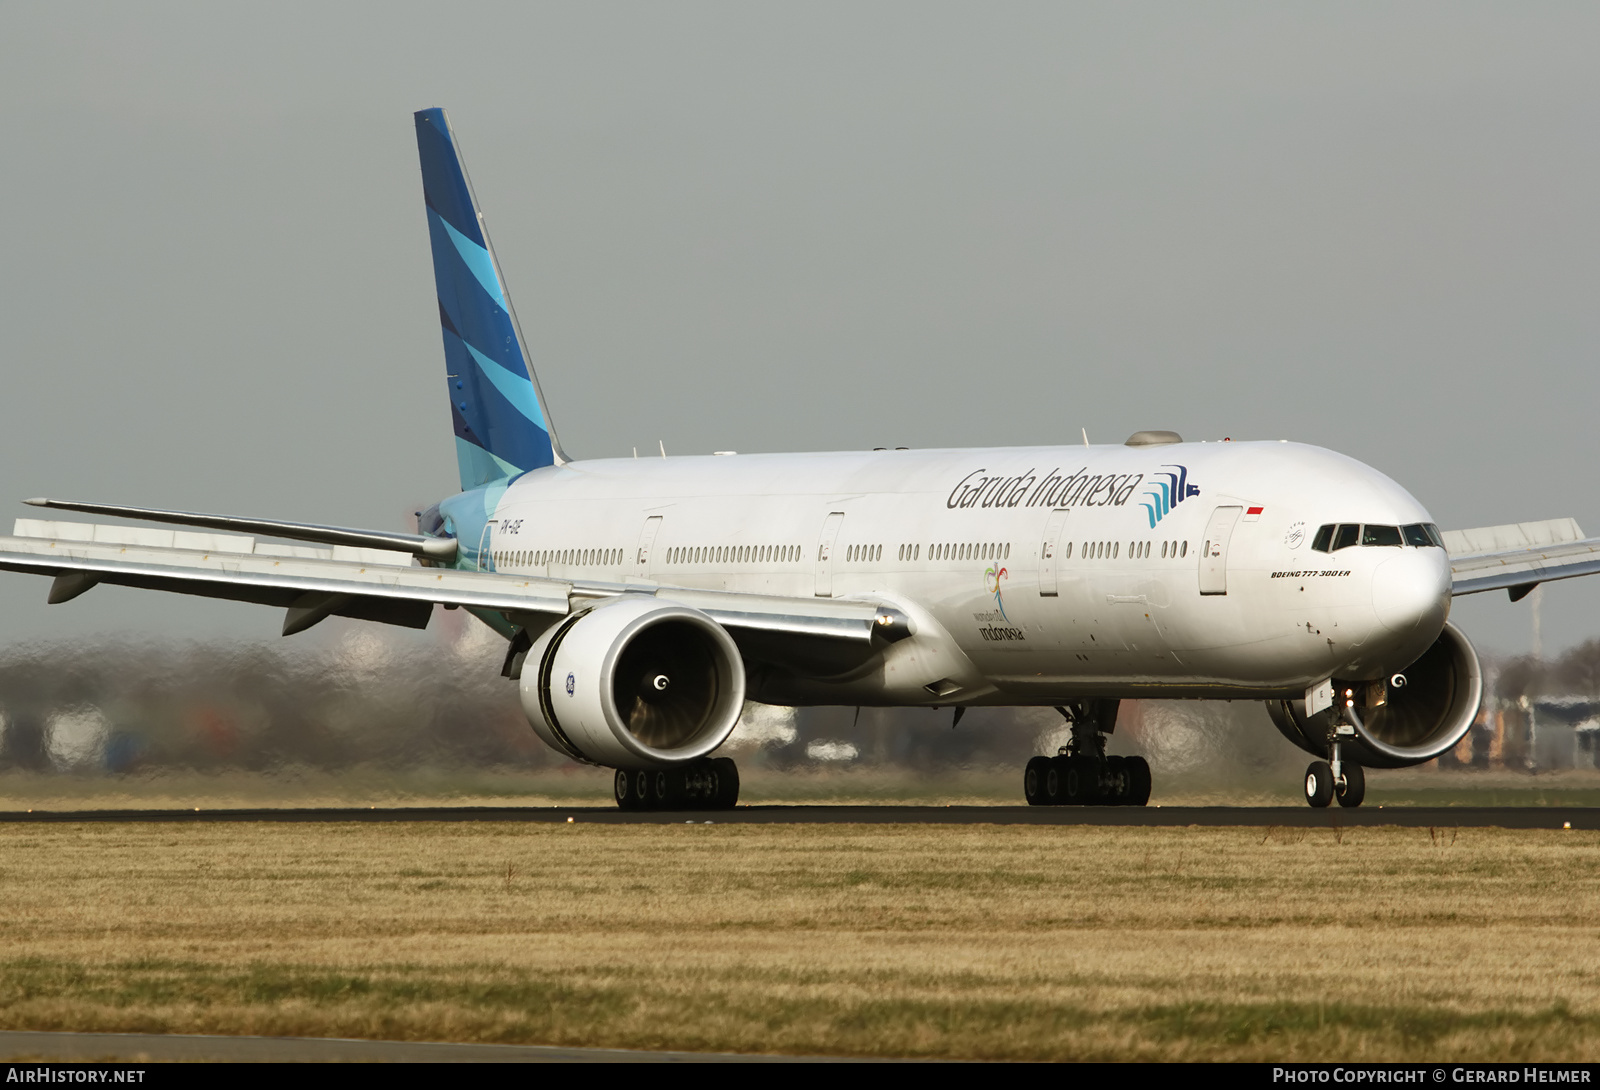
column 501, row 425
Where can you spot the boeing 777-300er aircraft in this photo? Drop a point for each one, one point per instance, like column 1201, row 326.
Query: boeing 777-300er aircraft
column 644, row 599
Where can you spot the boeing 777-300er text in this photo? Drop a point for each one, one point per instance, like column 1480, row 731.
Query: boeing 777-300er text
column 643, row 600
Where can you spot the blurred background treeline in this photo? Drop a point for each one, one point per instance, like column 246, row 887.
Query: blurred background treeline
column 369, row 699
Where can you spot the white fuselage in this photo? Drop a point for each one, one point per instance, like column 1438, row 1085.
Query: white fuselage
column 1033, row 575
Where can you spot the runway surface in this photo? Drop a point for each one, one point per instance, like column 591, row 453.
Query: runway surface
column 1508, row 817
column 133, row 1048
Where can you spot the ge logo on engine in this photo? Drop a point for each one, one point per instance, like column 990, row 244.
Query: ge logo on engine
column 572, row 683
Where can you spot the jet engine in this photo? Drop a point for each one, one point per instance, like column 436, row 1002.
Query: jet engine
column 634, row 683
column 1406, row 719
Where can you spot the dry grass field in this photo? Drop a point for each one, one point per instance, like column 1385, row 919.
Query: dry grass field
column 978, row 941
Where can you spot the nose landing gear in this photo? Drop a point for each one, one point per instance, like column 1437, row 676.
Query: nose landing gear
column 1081, row 774
column 1339, row 778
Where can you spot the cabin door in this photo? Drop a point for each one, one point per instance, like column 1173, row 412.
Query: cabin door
column 825, row 540
column 1049, row 553
column 1214, row 550
column 647, row 545
column 486, row 546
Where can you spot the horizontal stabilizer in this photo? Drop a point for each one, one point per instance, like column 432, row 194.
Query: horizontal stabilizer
column 433, row 548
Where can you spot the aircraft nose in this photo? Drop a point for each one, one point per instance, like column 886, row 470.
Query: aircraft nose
column 1412, row 590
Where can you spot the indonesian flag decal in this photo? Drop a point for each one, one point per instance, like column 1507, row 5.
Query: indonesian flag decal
column 1252, row 514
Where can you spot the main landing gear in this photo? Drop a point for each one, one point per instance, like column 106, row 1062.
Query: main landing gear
column 711, row 784
column 1336, row 779
column 1081, row 774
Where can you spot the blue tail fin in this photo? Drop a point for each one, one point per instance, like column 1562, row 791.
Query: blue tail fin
column 501, row 425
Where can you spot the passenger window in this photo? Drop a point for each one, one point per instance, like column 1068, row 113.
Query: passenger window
column 1349, row 533
column 1323, row 542
column 1381, row 535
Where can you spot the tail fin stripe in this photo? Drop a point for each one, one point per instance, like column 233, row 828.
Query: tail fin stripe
column 477, row 260
column 468, row 312
column 517, row 445
column 512, row 387
column 496, row 414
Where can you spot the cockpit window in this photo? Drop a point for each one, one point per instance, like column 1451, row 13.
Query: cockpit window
column 1332, row 537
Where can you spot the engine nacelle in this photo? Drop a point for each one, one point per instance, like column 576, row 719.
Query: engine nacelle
column 634, row 683
column 1417, row 722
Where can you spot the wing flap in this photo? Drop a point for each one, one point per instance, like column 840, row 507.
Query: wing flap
column 383, row 585
column 270, row 579
column 1511, row 537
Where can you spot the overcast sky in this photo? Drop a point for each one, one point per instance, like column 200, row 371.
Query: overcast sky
column 761, row 227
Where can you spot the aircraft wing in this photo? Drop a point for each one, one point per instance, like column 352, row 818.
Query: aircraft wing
column 1519, row 556
column 312, row 583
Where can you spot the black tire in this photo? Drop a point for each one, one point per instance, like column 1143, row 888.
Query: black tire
column 622, row 788
column 1355, row 784
column 1033, row 781
column 1319, row 784
column 666, row 788
column 1055, row 781
column 1117, row 777
column 641, row 791
column 1138, row 781
column 727, row 783
column 1079, row 777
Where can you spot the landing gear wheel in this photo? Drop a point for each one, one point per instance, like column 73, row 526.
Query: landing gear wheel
column 1079, row 778
column 1055, row 781
column 622, row 788
column 1355, row 784
column 1117, row 780
column 662, row 795
column 727, row 773
column 1138, row 782
column 1033, row 781
column 704, row 785
column 1319, row 784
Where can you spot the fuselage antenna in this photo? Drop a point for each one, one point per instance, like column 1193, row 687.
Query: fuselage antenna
column 663, row 443
column 1085, row 436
